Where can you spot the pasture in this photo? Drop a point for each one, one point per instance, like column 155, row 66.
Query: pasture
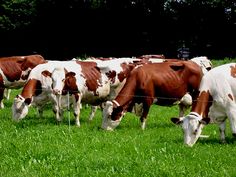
column 41, row 147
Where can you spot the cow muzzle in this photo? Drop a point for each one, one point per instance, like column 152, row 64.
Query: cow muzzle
column 57, row 91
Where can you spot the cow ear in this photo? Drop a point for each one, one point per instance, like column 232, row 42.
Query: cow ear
column 46, row 73
column 205, row 121
column 70, row 74
column 176, row 120
column 28, row 101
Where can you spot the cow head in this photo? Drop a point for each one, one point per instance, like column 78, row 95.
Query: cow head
column 60, row 80
column 112, row 115
column 204, row 63
column 192, row 126
column 20, row 107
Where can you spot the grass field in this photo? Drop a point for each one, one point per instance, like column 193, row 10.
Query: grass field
column 41, row 147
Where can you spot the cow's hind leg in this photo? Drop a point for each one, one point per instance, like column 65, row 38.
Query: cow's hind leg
column 222, row 127
column 232, row 119
column 143, row 118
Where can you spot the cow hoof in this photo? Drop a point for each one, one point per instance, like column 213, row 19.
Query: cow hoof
column 223, row 142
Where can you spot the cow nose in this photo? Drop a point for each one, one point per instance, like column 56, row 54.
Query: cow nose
column 56, row 91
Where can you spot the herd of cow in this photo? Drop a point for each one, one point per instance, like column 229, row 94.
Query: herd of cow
column 121, row 85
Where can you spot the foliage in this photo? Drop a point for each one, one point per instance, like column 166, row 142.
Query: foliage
column 17, row 14
column 117, row 27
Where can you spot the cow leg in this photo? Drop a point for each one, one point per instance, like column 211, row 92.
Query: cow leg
column 1, row 97
column 57, row 110
column 222, row 132
column 182, row 109
column 92, row 112
column 143, row 118
column 40, row 111
column 232, row 119
column 77, row 107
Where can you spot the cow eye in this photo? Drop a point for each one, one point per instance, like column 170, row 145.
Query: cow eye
column 195, row 132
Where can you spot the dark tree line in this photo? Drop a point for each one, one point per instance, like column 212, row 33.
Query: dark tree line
column 71, row 28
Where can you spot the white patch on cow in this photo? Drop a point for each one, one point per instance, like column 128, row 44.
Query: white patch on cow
column 186, row 100
column 26, row 72
column 156, row 60
column 203, row 62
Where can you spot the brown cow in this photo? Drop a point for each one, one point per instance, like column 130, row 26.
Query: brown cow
column 164, row 83
column 15, row 70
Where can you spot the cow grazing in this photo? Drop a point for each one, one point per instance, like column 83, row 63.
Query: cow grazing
column 38, row 91
column 215, row 102
column 97, row 82
column 164, row 83
column 15, row 70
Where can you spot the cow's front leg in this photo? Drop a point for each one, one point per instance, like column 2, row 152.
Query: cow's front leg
column 92, row 112
column 1, row 97
column 222, row 132
column 77, row 107
column 58, row 113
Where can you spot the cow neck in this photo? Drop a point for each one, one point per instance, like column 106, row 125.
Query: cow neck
column 29, row 89
column 202, row 104
column 127, row 93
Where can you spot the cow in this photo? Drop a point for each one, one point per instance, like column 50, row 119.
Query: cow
column 162, row 83
column 215, row 102
column 98, row 82
column 15, row 70
column 38, row 91
column 117, row 69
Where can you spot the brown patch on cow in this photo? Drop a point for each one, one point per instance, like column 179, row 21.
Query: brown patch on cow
column 126, row 69
column 92, row 75
column 46, row 73
column 233, row 71
column 111, row 75
column 70, row 84
column 231, row 97
column 32, row 88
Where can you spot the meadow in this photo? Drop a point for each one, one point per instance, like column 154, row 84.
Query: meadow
column 38, row 146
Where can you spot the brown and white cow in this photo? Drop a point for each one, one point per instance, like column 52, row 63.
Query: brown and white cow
column 215, row 103
column 38, row 91
column 15, row 70
column 164, row 83
column 97, row 82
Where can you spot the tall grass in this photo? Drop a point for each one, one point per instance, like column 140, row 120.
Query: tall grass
column 38, row 146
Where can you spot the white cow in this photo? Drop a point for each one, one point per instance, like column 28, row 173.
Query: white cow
column 215, row 103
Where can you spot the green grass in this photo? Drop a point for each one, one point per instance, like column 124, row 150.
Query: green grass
column 41, row 147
